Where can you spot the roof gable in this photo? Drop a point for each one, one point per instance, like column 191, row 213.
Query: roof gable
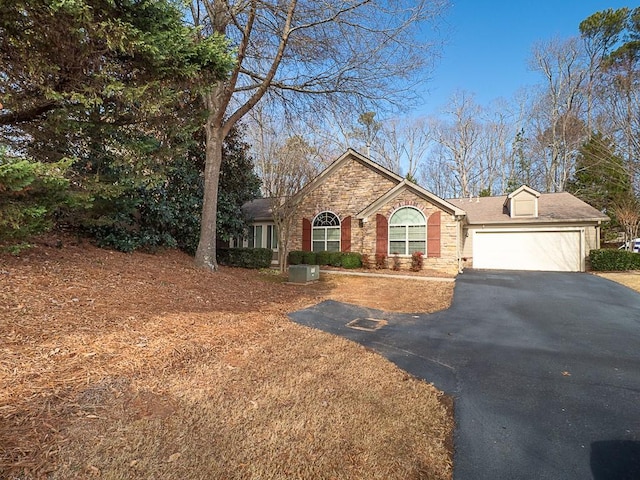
column 416, row 189
column 522, row 202
column 526, row 189
column 349, row 155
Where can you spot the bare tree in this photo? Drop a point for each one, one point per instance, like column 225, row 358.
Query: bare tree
column 627, row 212
column 559, row 132
column 307, row 54
column 403, row 144
column 285, row 161
column 435, row 175
column 495, row 152
column 459, row 141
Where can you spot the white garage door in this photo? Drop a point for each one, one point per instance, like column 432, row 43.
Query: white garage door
column 528, row 250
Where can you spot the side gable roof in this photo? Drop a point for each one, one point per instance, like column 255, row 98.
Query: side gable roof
column 350, row 154
column 552, row 207
column 416, row 189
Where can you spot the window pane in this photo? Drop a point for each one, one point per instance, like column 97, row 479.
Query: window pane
column 275, row 238
column 333, row 246
column 333, row 234
column 269, row 236
column 417, row 232
column 318, row 234
column 318, row 246
column 416, row 247
column 326, row 219
column 397, row 233
column 251, row 240
column 258, row 237
column 407, row 216
column 397, row 247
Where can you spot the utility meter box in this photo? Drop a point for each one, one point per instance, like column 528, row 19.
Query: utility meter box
column 304, row 273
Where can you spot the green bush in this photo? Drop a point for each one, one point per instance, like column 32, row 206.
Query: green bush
column 616, row 260
column 335, row 259
column 351, row 260
column 296, row 257
column 244, row 257
column 31, row 194
column 323, row 258
column 309, row 258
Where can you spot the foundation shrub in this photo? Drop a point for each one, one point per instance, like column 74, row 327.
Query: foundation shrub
column 323, row 258
column 417, row 260
column 335, row 259
column 309, row 258
column 351, row 260
column 295, row 257
column 381, row 261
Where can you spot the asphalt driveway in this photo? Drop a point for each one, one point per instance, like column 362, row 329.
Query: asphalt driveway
column 544, row 368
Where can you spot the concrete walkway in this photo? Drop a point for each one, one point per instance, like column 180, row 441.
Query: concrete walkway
column 389, row 275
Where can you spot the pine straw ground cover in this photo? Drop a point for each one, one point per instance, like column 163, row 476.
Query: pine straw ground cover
column 140, row 366
column 629, row 279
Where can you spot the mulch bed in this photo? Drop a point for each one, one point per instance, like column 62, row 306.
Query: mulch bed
column 91, row 335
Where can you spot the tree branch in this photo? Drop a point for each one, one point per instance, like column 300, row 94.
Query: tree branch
column 28, row 114
column 262, row 89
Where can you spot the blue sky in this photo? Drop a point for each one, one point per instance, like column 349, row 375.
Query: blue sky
column 489, row 44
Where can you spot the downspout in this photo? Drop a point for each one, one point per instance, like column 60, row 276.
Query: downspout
column 458, row 242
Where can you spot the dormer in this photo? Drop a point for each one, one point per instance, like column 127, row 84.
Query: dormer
column 522, row 203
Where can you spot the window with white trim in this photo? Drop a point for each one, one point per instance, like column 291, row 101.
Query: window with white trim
column 326, row 232
column 272, row 237
column 255, row 236
column 407, row 232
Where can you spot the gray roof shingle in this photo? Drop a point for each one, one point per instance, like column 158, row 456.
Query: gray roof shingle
column 552, row 207
column 258, row 209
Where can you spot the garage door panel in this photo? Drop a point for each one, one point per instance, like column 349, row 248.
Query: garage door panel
column 528, row 250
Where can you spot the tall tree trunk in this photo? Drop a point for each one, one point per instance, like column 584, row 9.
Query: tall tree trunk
column 215, row 133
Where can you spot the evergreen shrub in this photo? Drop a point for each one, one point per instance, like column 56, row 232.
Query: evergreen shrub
column 614, row 260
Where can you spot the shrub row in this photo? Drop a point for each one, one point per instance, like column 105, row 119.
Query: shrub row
column 244, row 257
column 607, row 260
column 334, row 259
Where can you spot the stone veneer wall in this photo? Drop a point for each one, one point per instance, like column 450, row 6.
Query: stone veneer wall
column 350, row 189
column 353, row 187
column 448, row 260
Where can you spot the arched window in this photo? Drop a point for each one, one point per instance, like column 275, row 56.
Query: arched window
column 407, row 232
column 326, row 232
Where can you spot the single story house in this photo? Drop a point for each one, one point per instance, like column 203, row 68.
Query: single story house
column 357, row 205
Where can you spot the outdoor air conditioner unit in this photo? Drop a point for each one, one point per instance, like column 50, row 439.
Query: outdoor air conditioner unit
column 304, row 273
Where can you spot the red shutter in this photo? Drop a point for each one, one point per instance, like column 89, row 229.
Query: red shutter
column 306, row 235
column 433, row 235
column 345, row 235
column 382, row 234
